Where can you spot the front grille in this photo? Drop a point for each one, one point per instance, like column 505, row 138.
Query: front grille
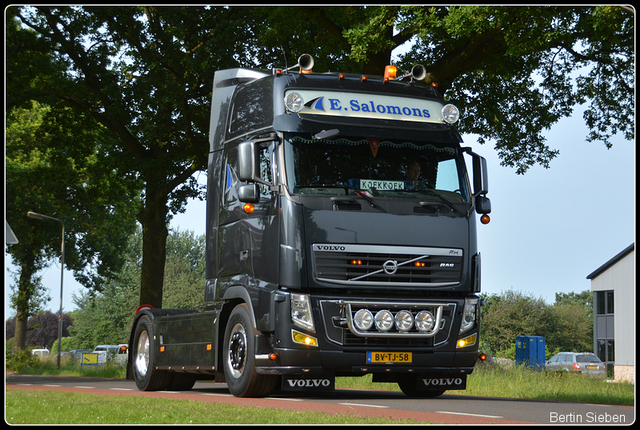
column 349, row 339
column 387, row 265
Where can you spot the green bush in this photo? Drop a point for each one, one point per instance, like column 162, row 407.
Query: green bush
column 22, row 358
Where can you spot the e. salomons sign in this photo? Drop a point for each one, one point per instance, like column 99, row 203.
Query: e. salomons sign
column 343, row 104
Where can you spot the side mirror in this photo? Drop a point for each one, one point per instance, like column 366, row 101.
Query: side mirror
column 483, row 205
column 480, row 178
column 247, row 162
column 249, row 193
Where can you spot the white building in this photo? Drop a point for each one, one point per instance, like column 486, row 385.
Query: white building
column 614, row 324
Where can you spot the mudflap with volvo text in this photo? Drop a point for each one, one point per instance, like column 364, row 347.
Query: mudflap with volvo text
column 313, row 382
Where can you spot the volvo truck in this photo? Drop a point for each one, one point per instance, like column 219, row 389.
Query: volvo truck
column 340, row 240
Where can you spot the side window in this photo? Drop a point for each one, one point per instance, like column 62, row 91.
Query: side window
column 230, row 176
column 265, row 155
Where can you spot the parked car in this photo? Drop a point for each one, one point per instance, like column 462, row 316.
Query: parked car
column 105, row 352
column 40, row 352
column 122, row 354
column 583, row 362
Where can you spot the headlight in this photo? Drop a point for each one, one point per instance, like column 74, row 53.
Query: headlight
column 450, row 114
column 363, row 319
column 301, row 314
column 384, row 320
column 424, row 321
column 293, row 102
column 468, row 314
column 404, row 320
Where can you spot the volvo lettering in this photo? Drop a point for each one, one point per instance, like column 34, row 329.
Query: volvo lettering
column 340, row 241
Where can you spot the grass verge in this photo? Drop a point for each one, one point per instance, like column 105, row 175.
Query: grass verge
column 49, row 407
column 522, row 383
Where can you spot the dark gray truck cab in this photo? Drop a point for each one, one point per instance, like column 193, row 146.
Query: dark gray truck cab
column 324, row 257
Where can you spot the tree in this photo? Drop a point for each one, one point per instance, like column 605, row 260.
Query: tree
column 513, row 71
column 571, row 322
column 511, row 314
column 42, row 329
column 53, row 167
column 145, row 74
column 567, row 325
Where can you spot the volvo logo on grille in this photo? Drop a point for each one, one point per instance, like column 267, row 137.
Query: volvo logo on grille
column 390, row 267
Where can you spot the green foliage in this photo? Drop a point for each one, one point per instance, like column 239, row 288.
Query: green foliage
column 567, row 325
column 20, row 359
column 68, row 343
column 106, row 317
column 55, row 167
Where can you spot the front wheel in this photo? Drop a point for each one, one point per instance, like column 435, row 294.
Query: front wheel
column 146, row 376
column 238, row 357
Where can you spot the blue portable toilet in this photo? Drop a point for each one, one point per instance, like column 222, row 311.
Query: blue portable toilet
column 530, row 351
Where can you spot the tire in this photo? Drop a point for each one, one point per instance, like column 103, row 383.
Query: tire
column 238, row 357
column 409, row 386
column 147, row 378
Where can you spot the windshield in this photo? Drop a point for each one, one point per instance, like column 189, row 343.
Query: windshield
column 378, row 167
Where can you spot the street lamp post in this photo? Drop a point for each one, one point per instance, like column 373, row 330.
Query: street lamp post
column 36, row 215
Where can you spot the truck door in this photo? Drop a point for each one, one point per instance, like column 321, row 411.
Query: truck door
column 263, row 225
column 248, row 238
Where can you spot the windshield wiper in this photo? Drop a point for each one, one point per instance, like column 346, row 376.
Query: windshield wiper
column 443, row 200
column 346, row 187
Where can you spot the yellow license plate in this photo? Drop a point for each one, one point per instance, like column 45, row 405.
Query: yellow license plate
column 389, row 357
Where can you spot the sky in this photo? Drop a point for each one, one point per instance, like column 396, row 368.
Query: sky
column 549, row 229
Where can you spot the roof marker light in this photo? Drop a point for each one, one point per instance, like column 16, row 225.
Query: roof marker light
column 390, row 72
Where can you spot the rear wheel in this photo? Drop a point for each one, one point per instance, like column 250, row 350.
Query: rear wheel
column 147, row 378
column 238, row 357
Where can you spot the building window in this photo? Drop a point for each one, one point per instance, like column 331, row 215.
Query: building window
column 604, row 302
column 604, row 329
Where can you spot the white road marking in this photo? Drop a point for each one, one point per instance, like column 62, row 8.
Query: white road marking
column 122, row 389
column 286, row 398
column 364, row 405
column 217, row 394
column 468, row 415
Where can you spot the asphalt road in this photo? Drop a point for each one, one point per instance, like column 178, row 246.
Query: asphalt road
column 448, row 408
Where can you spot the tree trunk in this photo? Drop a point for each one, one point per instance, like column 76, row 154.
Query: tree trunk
column 25, row 293
column 154, row 243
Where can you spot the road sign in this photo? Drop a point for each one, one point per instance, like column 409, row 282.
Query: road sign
column 89, row 359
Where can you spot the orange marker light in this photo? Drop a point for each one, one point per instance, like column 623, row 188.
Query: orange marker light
column 390, row 72
column 484, row 219
column 249, row 208
column 418, row 264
